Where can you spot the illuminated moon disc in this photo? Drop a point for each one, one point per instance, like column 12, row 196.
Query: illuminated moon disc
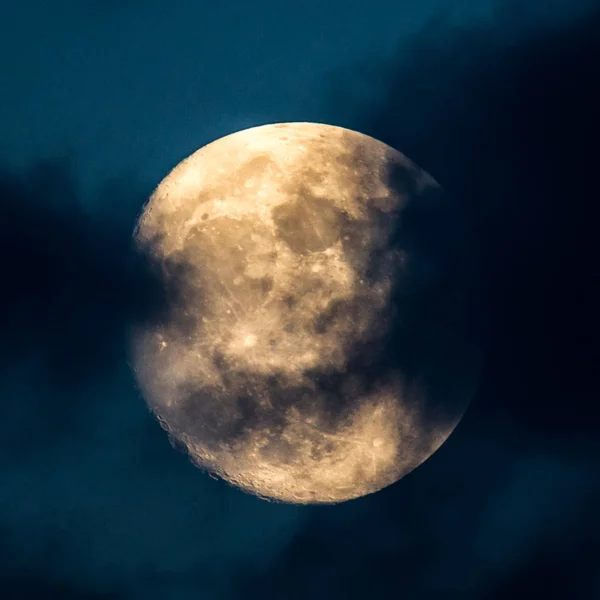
column 306, row 354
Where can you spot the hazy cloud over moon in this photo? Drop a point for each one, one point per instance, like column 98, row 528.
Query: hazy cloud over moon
column 94, row 503
column 315, row 348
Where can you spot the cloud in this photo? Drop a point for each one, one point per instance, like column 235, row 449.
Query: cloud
column 539, row 505
column 94, row 502
column 71, row 287
column 92, row 497
column 504, row 115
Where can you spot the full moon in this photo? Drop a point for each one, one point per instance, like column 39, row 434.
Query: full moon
column 311, row 349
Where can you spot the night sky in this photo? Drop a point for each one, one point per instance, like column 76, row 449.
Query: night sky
column 99, row 99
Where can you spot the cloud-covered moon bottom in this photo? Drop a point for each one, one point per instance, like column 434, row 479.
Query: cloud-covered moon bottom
column 307, row 354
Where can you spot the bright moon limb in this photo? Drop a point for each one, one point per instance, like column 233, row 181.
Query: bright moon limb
column 303, row 356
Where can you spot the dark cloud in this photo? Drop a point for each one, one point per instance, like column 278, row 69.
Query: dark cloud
column 94, row 503
column 71, row 286
column 505, row 115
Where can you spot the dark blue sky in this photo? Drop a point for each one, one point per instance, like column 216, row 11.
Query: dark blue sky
column 136, row 86
column 99, row 99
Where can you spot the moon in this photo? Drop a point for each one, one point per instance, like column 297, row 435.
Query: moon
column 309, row 352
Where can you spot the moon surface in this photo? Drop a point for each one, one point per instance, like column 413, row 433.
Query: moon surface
column 309, row 351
